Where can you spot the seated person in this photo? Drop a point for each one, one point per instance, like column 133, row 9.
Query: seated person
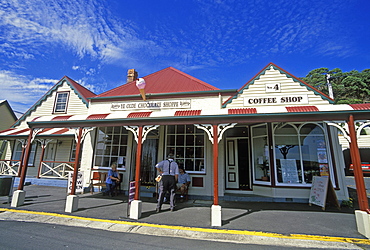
column 112, row 180
column 183, row 182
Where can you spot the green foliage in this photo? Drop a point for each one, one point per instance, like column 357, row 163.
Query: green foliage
column 348, row 87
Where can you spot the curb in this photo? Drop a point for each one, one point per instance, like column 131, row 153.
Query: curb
column 224, row 235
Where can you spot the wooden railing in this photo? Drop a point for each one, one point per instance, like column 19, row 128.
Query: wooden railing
column 55, row 169
column 9, row 167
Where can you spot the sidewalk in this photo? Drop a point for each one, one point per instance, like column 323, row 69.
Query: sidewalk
column 246, row 218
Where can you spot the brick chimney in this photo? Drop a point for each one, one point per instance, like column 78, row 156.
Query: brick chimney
column 131, row 75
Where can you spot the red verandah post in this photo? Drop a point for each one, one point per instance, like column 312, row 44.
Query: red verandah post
column 77, row 162
column 25, row 161
column 138, row 161
column 215, row 165
column 357, row 170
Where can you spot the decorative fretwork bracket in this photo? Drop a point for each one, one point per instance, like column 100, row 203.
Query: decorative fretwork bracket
column 221, row 128
column 85, row 131
column 35, row 132
column 343, row 127
column 23, row 142
column 146, row 130
column 44, row 142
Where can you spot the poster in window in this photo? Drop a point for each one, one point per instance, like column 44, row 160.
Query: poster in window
column 324, row 170
column 289, row 170
column 321, row 155
column 321, row 144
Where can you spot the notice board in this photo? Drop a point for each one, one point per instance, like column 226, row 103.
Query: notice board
column 322, row 191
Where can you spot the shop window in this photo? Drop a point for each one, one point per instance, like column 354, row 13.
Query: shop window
column 186, row 142
column 61, row 102
column 111, row 146
column 300, row 153
column 260, row 154
column 314, row 152
column 18, row 153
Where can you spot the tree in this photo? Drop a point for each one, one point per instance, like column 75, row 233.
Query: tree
column 348, row 87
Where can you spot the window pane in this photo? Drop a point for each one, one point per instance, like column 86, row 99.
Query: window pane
column 116, row 139
column 199, row 152
column 314, row 152
column 190, row 140
column 189, row 165
column 122, row 151
column 180, row 152
column 180, row 129
column 199, row 164
column 199, row 140
column 180, row 140
column 61, row 102
column 111, row 143
column 171, row 129
column 115, row 150
column 189, row 153
column 185, row 144
column 123, row 139
column 170, row 140
column 190, row 129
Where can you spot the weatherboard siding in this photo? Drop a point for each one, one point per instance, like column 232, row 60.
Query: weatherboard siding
column 46, row 107
column 289, row 87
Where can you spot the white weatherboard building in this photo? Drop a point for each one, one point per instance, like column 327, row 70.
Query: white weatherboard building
column 267, row 139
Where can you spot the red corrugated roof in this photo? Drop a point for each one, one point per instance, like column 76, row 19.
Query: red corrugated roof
column 59, row 132
column 139, row 114
column 187, row 112
column 302, row 109
column 6, row 130
column 242, row 111
column 84, row 92
column 20, row 131
column 45, row 130
column 61, row 118
column 168, row 80
column 361, row 106
column 96, row 117
column 34, row 119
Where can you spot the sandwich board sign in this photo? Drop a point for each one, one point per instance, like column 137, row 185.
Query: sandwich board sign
column 79, row 182
column 322, row 191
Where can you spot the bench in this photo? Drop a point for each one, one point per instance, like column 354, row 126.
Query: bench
column 186, row 196
column 98, row 180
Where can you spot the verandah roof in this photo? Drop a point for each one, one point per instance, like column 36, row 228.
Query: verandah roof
column 242, row 115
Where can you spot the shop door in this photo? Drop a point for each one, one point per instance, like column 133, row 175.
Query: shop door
column 148, row 161
column 237, row 164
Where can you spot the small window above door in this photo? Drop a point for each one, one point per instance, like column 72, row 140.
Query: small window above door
column 61, row 101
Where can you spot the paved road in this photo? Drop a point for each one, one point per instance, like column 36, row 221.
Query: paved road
column 350, row 180
column 26, row 235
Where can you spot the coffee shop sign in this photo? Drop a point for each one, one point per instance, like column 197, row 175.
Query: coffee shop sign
column 275, row 100
column 173, row 104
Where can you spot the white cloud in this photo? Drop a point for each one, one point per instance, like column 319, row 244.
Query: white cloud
column 22, row 91
column 85, row 27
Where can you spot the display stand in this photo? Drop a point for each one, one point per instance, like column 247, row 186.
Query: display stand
column 322, row 192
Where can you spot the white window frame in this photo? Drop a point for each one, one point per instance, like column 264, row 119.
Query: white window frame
column 298, row 126
column 173, row 148
column 59, row 101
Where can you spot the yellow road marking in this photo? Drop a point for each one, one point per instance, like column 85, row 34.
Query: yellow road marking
column 207, row 230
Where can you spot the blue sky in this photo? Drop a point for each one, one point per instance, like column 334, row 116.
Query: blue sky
column 224, row 43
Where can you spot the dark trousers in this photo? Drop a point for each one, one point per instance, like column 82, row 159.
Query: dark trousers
column 167, row 184
column 110, row 188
